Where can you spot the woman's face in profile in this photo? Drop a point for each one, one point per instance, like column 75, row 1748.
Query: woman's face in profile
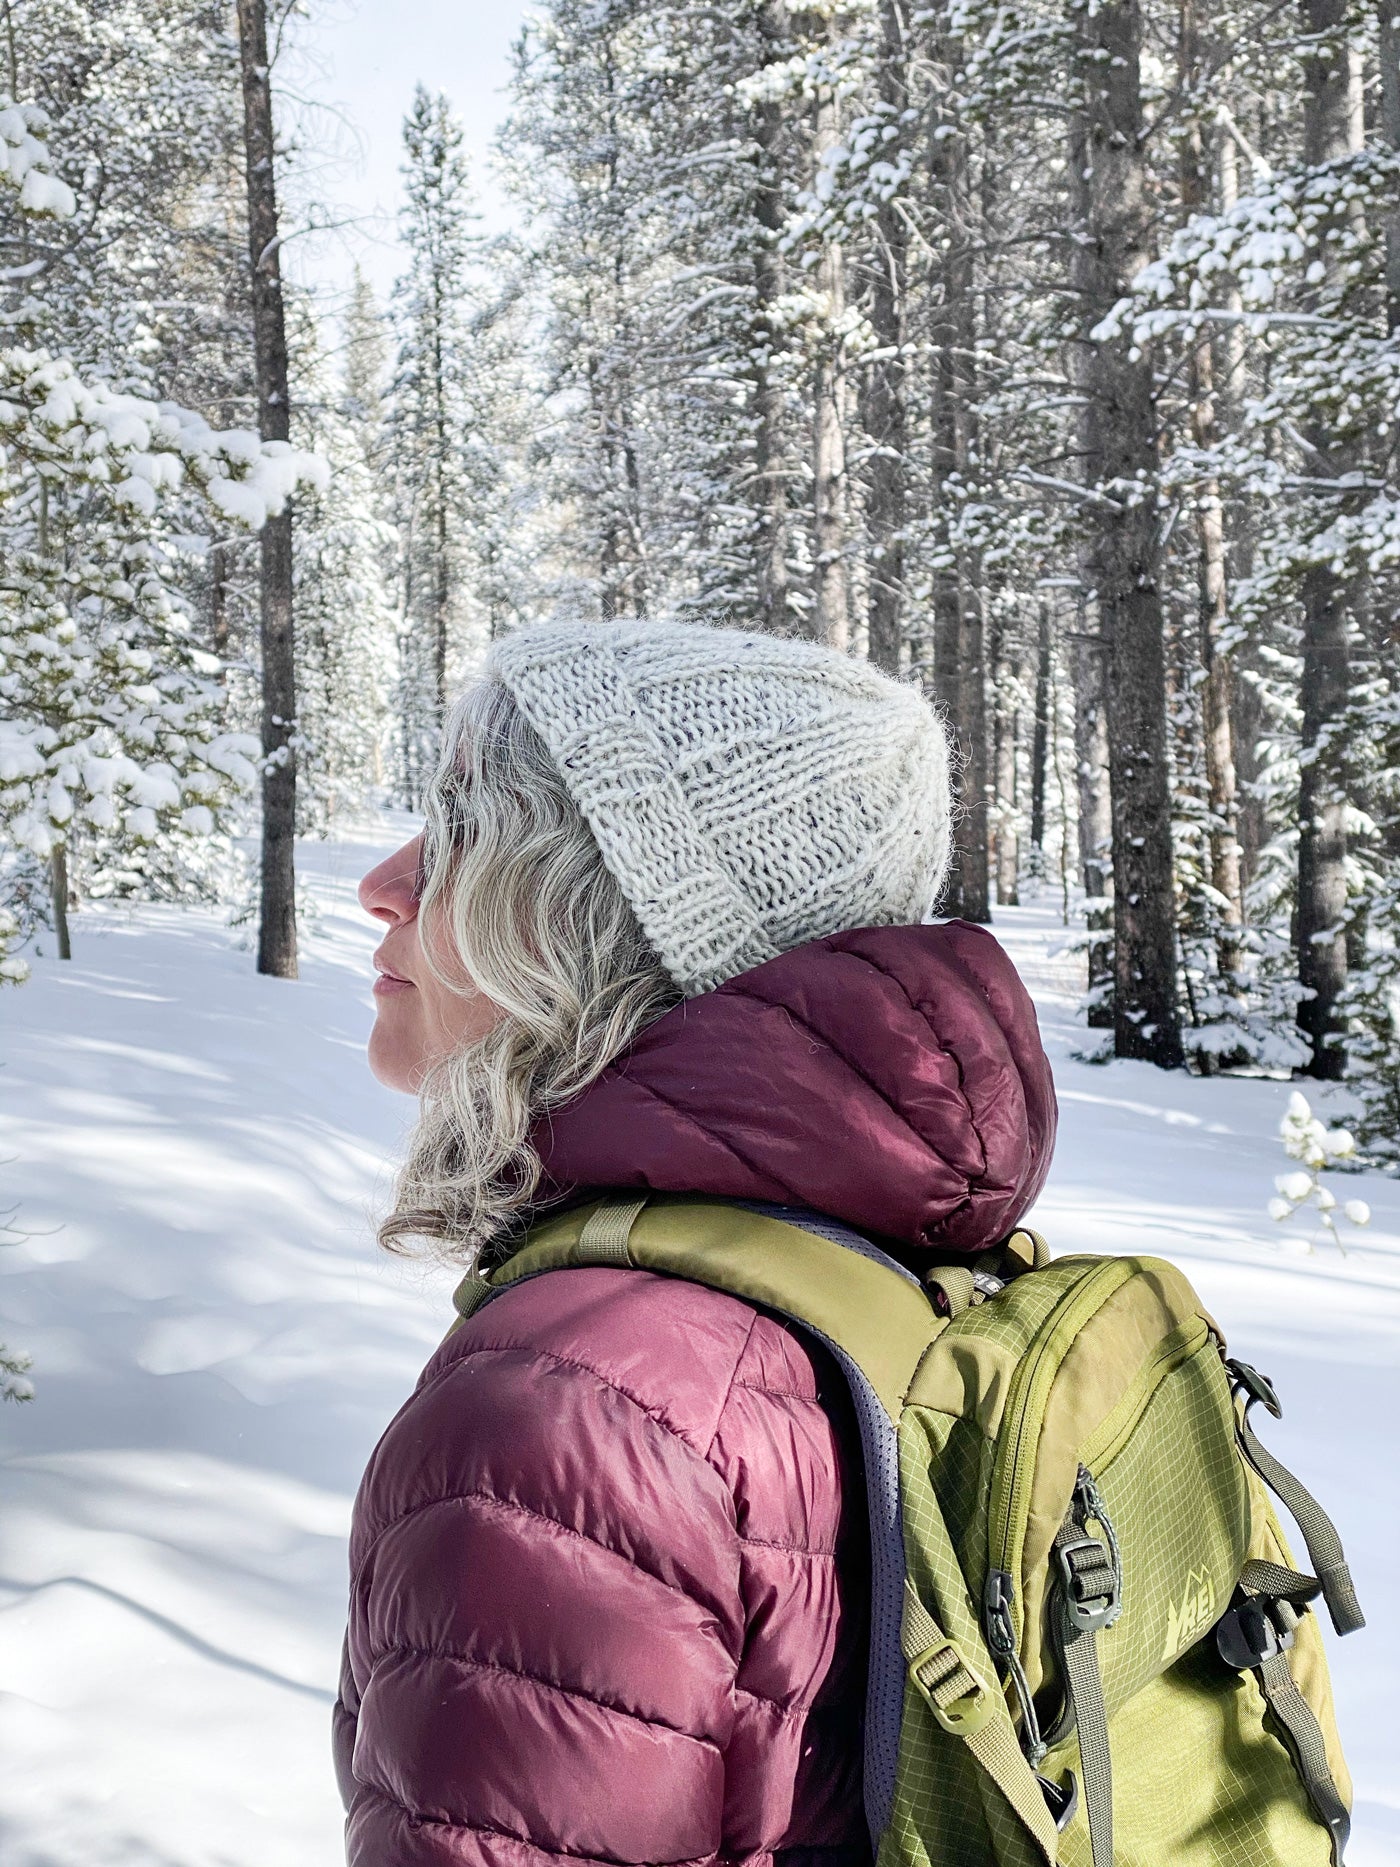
column 419, row 1019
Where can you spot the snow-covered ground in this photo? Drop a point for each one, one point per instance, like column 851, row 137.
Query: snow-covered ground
column 196, row 1153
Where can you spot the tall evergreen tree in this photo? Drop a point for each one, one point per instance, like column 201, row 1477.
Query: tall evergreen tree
column 441, row 463
column 277, row 922
column 109, row 722
column 345, row 562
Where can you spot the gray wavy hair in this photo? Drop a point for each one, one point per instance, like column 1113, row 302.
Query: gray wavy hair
column 514, row 893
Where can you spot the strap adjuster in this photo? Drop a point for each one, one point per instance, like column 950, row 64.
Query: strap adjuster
column 1258, row 1386
column 1250, row 1632
column 1093, row 1593
column 1062, row 1799
column 969, row 1710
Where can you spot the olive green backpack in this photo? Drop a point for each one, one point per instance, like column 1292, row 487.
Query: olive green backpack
column 1089, row 1641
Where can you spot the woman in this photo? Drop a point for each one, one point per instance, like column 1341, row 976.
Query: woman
column 663, row 930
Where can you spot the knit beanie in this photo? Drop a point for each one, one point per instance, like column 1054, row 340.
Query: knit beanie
column 748, row 792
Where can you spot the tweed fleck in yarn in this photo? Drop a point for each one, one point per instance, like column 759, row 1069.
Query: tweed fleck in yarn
column 749, row 792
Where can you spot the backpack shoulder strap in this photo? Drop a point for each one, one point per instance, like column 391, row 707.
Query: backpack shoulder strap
column 883, row 1321
column 879, row 1321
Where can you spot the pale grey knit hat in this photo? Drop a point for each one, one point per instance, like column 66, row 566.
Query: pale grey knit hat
column 749, row 792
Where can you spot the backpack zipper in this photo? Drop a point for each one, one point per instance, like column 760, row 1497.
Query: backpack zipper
column 1014, row 1467
column 1117, row 1427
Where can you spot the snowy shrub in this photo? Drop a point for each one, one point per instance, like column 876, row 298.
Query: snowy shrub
column 24, row 162
column 110, row 716
column 1316, row 1148
column 13, row 970
column 14, row 1374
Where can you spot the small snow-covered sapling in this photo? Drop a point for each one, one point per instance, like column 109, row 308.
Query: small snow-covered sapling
column 1316, row 1148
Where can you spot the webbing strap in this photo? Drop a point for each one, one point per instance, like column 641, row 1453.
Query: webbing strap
column 1088, row 1568
column 604, row 1236
column 975, row 1712
column 1305, row 1740
column 957, row 1284
column 470, row 1294
column 1325, row 1550
column 1255, row 1635
column 1277, row 1582
column 1081, row 1660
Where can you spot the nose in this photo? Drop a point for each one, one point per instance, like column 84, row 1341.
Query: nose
column 390, row 891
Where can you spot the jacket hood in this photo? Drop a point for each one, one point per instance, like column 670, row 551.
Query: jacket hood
column 890, row 1077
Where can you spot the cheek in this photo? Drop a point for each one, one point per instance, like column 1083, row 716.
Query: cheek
column 455, row 1019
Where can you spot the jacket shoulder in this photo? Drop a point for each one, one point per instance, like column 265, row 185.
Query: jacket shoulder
column 586, row 1365
column 673, row 1347
column 603, row 1534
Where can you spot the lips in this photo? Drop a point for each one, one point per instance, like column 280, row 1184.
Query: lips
column 387, row 980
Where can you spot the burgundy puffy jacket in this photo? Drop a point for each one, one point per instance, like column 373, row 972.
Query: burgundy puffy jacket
column 608, row 1563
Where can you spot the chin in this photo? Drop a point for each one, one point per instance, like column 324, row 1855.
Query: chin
column 389, row 1065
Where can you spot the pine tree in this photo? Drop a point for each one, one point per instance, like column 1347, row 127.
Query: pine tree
column 344, row 565
column 366, row 352
column 111, row 739
column 277, row 924
column 442, row 463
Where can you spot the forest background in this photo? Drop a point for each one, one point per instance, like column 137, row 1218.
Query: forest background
column 1044, row 353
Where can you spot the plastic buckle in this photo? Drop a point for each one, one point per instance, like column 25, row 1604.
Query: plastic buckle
column 1247, row 1634
column 968, row 1713
column 1089, row 1603
column 1257, row 1386
column 1062, row 1799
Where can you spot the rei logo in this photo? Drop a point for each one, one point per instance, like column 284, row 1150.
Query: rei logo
column 1188, row 1619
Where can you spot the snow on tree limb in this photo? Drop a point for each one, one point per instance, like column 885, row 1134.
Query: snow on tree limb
column 24, row 163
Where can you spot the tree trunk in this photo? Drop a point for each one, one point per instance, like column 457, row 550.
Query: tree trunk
column 883, row 412
column 959, row 654
column 1114, row 214
column 637, row 584
column 1331, row 131
column 1040, row 736
column 1322, row 841
column 442, row 586
column 1213, row 592
column 277, row 926
column 218, row 603
column 1389, row 20
column 442, row 566
column 58, row 888
column 1095, row 820
column 770, row 459
column 831, row 615
column 1005, row 839
column 624, row 544
column 1246, row 708
column 970, row 720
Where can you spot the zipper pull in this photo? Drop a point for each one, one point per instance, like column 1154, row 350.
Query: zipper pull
column 997, row 1597
column 1092, row 1588
column 1091, row 1504
column 998, row 1593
